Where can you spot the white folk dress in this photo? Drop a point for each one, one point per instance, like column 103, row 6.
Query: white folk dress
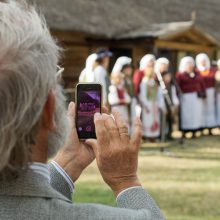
column 116, row 103
column 152, row 100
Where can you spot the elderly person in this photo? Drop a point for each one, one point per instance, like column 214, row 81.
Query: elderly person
column 191, row 97
column 208, row 74
column 34, row 125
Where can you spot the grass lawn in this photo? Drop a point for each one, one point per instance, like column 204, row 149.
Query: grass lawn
column 184, row 179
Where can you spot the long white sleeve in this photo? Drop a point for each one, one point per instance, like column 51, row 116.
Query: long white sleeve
column 113, row 96
column 175, row 98
column 82, row 76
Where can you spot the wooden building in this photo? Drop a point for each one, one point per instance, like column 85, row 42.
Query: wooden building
column 170, row 28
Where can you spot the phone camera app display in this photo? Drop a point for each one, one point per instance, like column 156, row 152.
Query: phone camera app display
column 89, row 103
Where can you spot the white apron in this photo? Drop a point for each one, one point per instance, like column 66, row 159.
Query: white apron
column 191, row 111
column 209, row 109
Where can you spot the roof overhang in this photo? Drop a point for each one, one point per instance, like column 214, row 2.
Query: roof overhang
column 168, row 31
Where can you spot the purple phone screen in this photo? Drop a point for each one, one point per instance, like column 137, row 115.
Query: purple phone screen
column 88, row 104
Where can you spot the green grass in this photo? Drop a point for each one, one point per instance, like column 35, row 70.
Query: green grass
column 184, row 179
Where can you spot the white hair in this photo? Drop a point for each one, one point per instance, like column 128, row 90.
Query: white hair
column 161, row 60
column 184, row 62
column 199, row 58
column 28, row 58
column 145, row 60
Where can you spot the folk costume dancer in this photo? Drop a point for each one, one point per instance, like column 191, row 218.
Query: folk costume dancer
column 124, row 65
column 139, row 73
column 118, row 98
column 172, row 104
column 208, row 74
column 192, row 96
column 100, row 72
column 150, row 97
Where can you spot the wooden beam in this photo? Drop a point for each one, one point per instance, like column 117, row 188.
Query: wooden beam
column 183, row 46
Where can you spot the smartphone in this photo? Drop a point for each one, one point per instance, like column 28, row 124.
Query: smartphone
column 88, row 102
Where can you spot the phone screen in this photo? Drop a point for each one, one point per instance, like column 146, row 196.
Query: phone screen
column 88, row 103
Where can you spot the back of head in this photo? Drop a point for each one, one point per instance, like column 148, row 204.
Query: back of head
column 28, row 58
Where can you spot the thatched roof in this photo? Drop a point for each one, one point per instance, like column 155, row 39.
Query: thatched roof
column 161, row 30
column 115, row 18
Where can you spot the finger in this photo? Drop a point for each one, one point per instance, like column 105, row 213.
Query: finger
column 101, row 132
column 105, row 110
column 105, row 116
column 137, row 135
column 122, row 126
column 111, row 128
column 71, row 109
column 71, row 113
column 93, row 144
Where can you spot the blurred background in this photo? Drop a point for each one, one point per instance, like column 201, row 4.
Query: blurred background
column 184, row 178
column 133, row 28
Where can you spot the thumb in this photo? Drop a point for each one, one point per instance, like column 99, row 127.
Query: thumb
column 71, row 114
column 71, row 109
column 93, row 144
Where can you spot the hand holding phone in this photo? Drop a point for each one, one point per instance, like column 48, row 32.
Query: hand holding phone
column 88, row 102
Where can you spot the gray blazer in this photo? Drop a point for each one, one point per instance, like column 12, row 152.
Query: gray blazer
column 31, row 197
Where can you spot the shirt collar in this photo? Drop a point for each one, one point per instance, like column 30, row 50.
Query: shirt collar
column 40, row 168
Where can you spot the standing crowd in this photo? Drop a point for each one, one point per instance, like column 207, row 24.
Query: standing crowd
column 190, row 97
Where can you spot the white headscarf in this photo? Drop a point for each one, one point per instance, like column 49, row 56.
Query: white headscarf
column 145, row 60
column 199, row 58
column 161, row 60
column 87, row 74
column 184, row 62
column 120, row 62
column 218, row 63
